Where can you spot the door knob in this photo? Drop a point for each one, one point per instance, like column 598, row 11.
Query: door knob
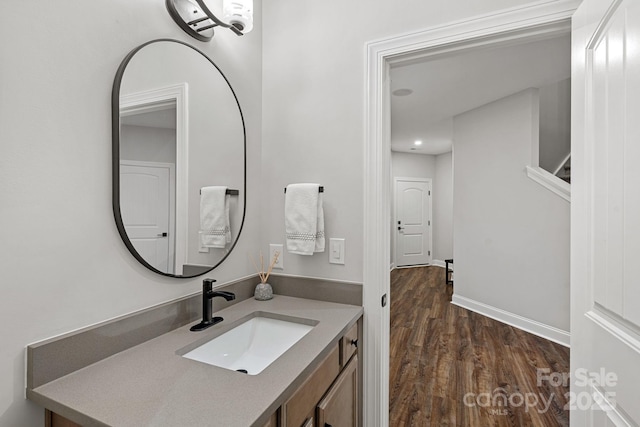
column 163, row 234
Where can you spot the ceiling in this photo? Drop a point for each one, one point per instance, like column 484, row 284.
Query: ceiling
column 449, row 85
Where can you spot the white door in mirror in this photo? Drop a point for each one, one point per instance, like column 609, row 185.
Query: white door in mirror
column 144, row 199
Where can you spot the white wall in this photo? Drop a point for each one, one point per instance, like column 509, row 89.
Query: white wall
column 64, row 265
column 313, row 97
column 443, row 208
column 408, row 165
column 555, row 124
column 148, row 144
column 511, row 236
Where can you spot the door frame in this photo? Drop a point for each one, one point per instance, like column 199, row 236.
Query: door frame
column 394, row 238
column 150, row 100
column 531, row 21
column 172, row 198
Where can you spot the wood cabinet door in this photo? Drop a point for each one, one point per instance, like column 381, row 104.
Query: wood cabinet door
column 339, row 408
column 273, row 420
column 51, row 419
column 301, row 406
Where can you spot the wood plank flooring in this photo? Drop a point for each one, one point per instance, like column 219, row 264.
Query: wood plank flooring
column 452, row 367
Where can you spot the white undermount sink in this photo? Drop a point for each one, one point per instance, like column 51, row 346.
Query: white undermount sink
column 251, row 346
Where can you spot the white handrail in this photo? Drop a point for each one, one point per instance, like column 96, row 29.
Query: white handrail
column 562, row 163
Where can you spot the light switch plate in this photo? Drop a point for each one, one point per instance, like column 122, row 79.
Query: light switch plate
column 273, row 248
column 336, row 251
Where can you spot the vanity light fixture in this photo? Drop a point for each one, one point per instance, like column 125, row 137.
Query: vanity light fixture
column 198, row 18
column 418, row 142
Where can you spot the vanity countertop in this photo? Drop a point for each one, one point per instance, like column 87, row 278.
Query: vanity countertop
column 152, row 385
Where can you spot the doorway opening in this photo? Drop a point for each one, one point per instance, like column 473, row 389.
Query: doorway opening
column 154, row 137
column 533, row 22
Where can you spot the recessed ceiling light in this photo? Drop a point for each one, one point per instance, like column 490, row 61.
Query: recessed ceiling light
column 418, row 142
column 402, row 92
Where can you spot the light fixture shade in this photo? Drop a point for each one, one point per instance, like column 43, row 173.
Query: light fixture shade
column 212, row 7
column 238, row 13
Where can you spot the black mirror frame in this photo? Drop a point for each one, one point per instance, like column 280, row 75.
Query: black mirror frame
column 115, row 137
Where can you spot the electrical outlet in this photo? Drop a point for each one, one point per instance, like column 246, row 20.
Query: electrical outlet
column 273, row 248
column 336, row 251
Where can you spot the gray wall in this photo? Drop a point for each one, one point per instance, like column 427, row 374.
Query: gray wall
column 511, row 235
column 313, row 97
column 148, row 144
column 443, row 204
column 64, row 265
column 555, row 124
column 409, row 165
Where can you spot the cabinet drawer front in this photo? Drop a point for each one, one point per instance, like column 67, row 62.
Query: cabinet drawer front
column 296, row 410
column 348, row 344
column 339, row 408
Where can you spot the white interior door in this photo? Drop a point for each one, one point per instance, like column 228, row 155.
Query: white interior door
column 605, row 214
column 413, row 221
column 145, row 206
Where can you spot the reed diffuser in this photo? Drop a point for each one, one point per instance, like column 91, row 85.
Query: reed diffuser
column 263, row 290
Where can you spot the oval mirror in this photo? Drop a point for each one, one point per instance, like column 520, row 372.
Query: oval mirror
column 179, row 161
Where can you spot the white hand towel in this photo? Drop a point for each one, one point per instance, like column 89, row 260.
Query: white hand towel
column 214, row 217
column 304, row 219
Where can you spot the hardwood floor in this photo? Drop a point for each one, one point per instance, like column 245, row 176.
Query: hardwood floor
column 452, row 367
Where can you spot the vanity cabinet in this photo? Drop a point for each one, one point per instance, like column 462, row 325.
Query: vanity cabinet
column 51, row 419
column 329, row 396
column 340, row 406
column 273, row 420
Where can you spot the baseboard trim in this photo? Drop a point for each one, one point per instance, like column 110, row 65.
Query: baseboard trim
column 438, row 263
column 411, row 266
column 532, row 326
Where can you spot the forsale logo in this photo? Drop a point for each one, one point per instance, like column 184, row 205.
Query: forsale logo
column 497, row 401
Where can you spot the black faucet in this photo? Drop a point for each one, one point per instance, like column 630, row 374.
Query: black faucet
column 207, row 295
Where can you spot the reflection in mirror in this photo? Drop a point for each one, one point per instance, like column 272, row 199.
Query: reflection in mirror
column 178, row 128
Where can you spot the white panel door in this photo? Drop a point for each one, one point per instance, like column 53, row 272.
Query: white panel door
column 144, row 205
column 605, row 214
column 413, row 221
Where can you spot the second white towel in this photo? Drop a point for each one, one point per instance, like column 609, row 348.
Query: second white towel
column 215, row 231
column 304, row 219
